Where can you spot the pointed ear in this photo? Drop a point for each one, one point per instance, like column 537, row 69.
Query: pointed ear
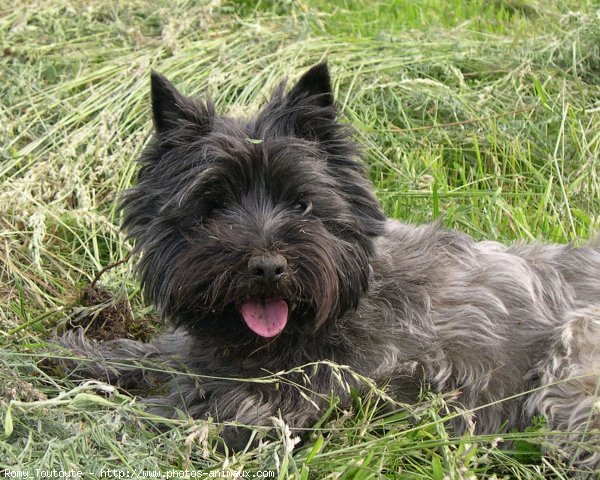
column 306, row 111
column 314, row 85
column 172, row 110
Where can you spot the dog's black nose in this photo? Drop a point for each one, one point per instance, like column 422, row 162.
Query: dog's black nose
column 269, row 268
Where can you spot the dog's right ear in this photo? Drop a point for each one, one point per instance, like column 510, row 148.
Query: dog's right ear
column 173, row 111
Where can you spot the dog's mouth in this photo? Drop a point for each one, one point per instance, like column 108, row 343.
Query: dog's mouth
column 266, row 317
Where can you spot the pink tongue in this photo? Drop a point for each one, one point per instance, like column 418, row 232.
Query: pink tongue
column 266, row 318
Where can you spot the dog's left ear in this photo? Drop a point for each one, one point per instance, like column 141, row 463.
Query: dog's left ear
column 313, row 88
column 307, row 110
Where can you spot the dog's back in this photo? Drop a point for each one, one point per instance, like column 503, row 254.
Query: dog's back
column 494, row 322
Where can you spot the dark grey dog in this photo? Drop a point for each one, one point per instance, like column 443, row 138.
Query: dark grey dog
column 262, row 243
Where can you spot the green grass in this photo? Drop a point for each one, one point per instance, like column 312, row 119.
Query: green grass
column 483, row 114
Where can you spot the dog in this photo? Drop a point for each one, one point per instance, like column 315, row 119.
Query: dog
column 262, row 243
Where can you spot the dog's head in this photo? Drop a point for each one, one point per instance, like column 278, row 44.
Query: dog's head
column 250, row 228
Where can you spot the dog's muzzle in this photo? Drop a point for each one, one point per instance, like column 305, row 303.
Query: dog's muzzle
column 268, row 268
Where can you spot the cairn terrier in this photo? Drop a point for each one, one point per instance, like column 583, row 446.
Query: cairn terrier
column 262, row 243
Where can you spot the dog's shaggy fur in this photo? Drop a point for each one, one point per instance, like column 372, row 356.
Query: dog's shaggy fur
column 272, row 218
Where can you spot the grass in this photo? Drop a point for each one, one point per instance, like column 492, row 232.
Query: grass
column 484, row 115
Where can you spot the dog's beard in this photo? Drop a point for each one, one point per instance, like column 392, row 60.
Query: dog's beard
column 206, row 286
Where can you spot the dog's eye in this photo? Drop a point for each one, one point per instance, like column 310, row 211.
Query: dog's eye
column 303, row 206
column 212, row 205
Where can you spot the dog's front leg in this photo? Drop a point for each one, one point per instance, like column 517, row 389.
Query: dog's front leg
column 248, row 408
column 245, row 409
